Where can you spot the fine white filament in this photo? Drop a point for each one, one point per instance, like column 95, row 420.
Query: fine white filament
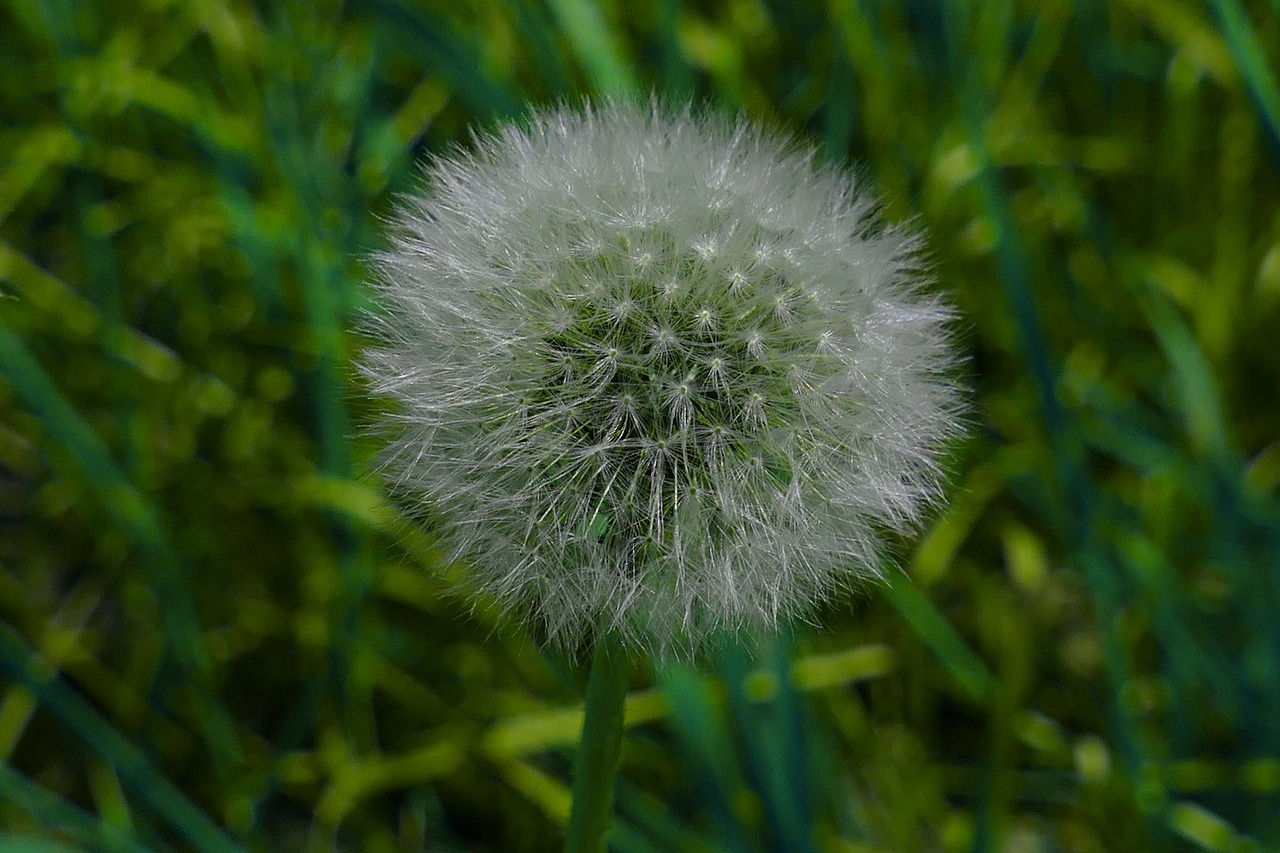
column 658, row 372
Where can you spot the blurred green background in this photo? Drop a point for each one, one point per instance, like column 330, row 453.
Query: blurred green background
column 217, row 634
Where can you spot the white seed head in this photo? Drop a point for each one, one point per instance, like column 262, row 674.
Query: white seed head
column 658, row 372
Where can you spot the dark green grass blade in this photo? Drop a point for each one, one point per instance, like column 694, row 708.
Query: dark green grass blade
column 131, row 512
column 430, row 37
column 965, row 666
column 776, row 753
column 168, row 803
column 598, row 49
column 709, row 745
column 54, row 813
column 1251, row 58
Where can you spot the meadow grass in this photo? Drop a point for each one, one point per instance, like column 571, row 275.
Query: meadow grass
column 217, row 633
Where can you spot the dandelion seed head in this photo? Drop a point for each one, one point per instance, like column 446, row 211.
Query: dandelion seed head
column 659, row 373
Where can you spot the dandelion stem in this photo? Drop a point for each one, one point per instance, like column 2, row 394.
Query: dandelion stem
column 596, row 764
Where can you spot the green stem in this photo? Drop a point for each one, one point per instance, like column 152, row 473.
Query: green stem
column 596, row 764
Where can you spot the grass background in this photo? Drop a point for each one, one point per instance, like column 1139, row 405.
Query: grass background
column 216, row 634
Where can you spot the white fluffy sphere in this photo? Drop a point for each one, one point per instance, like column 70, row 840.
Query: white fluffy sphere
column 658, row 373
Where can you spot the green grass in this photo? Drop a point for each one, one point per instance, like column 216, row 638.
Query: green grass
column 217, row 634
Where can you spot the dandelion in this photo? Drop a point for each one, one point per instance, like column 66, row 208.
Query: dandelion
column 661, row 375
